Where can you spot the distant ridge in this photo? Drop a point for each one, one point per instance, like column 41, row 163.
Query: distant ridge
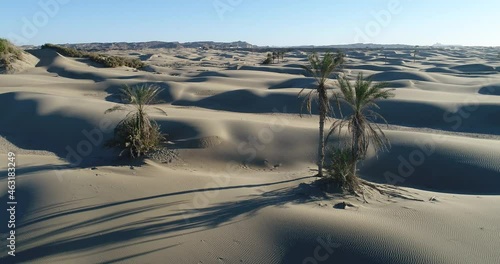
column 98, row 46
column 160, row 45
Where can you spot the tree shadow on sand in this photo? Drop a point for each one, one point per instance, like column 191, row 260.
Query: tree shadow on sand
column 175, row 222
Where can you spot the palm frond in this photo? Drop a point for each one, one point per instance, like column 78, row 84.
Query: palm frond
column 114, row 109
column 162, row 111
column 362, row 97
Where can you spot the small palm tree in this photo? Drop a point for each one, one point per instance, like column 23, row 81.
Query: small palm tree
column 361, row 99
column 321, row 69
column 415, row 52
column 136, row 133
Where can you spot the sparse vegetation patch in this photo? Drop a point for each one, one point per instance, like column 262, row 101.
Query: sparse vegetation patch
column 137, row 135
column 106, row 60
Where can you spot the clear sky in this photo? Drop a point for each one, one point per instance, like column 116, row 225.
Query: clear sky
column 260, row 22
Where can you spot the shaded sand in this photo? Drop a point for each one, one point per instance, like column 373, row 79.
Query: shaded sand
column 235, row 185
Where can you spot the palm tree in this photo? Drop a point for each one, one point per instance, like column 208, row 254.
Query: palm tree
column 136, row 133
column 321, row 69
column 361, row 99
column 268, row 59
column 415, row 52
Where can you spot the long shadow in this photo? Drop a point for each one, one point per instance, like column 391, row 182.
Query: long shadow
column 68, row 137
column 24, row 196
column 368, row 67
column 415, row 114
column 439, row 172
column 22, row 171
column 284, row 70
column 245, row 101
column 48, row 58
column 63, row 72
column 175, row 222
column 295, row 83
column 211, row 74
column 55, row 132
column 98, row 207
column 145, row 57
column 490, row 90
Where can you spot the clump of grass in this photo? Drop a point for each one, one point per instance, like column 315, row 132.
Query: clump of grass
column 340, row 169
column 137, row 134
column 8, row 51
column 106, row 60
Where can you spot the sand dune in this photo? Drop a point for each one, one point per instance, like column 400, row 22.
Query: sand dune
column 235, row 185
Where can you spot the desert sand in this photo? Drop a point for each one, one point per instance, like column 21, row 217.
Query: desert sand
column 235, row 185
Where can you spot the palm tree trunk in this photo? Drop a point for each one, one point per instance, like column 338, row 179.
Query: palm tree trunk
column 355, row 149
column 321, row 146
column 322, row 117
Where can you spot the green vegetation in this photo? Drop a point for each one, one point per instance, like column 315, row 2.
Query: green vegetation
column 281, row 55
column 321, row 69
column 137, row 134
column 7, row 48
column 339, row 168
column 9, row 53
column 268, row 60
column 360, row 123
column 106, row 60
column 272, row 56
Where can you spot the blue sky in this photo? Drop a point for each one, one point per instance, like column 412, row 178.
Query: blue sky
column 260, row 22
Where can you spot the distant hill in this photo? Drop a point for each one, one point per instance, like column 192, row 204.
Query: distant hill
column 214, row 45
column 356, row 46
column 158, row 45
column 92, row 47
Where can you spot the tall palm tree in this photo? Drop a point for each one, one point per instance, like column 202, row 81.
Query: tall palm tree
column 321, row 69
column 361, row 98
column 136, row 132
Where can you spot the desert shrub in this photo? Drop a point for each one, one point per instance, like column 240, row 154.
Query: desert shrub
column 267, row 61
column 4, row 65
column 3, row 46
column 339, row 168
column 9, row 51
column 137, row 134
column 105, row 60
column 68, row 52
